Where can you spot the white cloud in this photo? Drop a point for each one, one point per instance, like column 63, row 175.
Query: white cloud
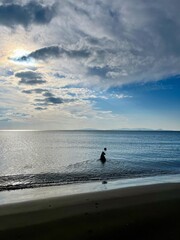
column 85, row 48
column 128, row 42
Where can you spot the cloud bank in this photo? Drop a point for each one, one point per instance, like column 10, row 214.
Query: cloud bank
column 30, row 78
column 106, row 43
column 81, row 50
column 12, row 14
column 54, row 52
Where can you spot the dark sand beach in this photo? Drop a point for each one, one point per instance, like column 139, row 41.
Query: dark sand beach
column 143, row 212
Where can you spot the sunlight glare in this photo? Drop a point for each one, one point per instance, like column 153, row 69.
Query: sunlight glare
column 18, row 54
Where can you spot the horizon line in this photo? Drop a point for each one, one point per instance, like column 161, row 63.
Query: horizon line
column 123, row 129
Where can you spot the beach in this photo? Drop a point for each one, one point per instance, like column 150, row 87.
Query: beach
column 142, row 212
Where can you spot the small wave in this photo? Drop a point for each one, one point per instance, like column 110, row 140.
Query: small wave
column 88, row 171
column 13, row 182
column 54, row 179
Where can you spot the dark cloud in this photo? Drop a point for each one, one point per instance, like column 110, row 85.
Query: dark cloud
column 30, row 78
column 99, row 71
column 45, row 53
column 57, row 75
column 55, row 52
column 36, row 90
column 54, row 100
column 40, row 108
column 82, row 53
column 32, row 13
column 48, row 94
column 49, row 101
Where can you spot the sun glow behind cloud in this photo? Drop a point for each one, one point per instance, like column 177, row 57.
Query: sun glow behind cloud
column 18, row 55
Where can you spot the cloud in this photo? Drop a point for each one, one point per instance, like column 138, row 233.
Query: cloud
column 40, row 108
column 12, row 14
column 8, row 114
column 88, row 48
column 30, row 78
column 19, row 115
column 49, row 101
column 112, row 43
column 44, row 53
column 99, row 71
column 127, row 42
column 47, row 98
column 54, row 100
column 48, row 94
column 108, row 44
column 36, row 90
column 57, row 75
column 54, row 52
column 6, row 72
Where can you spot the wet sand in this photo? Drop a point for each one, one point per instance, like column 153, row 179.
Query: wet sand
column 143, row 212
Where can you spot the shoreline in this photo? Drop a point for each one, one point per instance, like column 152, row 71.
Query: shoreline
column 107, row 214
column 38, row 193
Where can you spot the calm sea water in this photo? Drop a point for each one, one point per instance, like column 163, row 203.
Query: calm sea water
column 42, row 158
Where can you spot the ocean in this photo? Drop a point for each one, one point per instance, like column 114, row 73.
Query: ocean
column 30, row 159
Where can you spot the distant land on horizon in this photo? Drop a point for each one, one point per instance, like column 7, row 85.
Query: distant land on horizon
column 91, row 129
column 126, row 129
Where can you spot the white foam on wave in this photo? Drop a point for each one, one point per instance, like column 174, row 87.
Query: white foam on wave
column 9, row 197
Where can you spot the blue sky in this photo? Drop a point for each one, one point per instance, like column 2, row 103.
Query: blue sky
column 89, row 64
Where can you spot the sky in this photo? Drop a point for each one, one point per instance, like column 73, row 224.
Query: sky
column 89, row 64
